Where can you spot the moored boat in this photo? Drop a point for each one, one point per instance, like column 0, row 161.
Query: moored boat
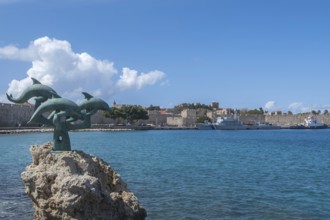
column 229, row 123
column 310, row 122
column 233, row 123
column 205, row 126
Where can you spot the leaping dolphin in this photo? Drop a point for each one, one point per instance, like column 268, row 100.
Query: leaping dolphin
column 39, row 90
column 57, row 105
column 91, row 103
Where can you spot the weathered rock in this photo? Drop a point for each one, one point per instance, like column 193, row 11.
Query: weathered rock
column 75, row 185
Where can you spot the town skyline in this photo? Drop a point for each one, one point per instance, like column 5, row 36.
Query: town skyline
column 273, row 55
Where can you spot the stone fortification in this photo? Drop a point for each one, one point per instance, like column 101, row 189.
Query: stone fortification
column 17, row 115
column 12, row 115
column 288, row 120
column 75, row 185
column 252, row 119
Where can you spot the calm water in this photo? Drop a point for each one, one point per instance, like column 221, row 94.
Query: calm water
column 281, row 174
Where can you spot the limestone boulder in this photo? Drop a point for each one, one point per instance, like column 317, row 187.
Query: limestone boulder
column 75, row 185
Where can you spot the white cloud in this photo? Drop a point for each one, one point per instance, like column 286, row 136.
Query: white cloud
column 14, row 53
column 131, row 79
column 298, row 107
column 270, row 105
column 3, row 99
column 55, row 64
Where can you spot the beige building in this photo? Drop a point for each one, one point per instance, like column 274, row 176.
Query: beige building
column 175, row 121
column 224, row 111
column 187, row 118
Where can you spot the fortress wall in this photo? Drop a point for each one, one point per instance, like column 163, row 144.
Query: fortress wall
column 282, row 120
column 98, row 118
column 12, row 115
column 287, row 120
column 251, row 119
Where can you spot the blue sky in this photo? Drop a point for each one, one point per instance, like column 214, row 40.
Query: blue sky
column 241, row 53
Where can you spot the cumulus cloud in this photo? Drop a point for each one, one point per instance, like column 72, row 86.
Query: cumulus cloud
column 270, row 105
column 131, row 79
column 12, row 52
column 55, row 64
column 3, row 99
column 298, row 107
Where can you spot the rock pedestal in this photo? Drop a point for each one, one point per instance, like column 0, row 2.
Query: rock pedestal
column 75, row 185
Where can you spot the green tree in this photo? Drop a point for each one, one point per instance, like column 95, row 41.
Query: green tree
column 131, row 113
column 314, row 112
column 115, row 113
column 151, row 107
column 135, row 112
column 259, row 111
column 183, row 106
column 290, row 113
column 202, row 119
column 325, row 112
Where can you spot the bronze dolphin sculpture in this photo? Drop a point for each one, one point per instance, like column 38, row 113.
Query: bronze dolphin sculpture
column 57, row 105
column 91, row 103
column 39, row 90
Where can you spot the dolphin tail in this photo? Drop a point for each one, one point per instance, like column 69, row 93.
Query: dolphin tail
column 10, row 97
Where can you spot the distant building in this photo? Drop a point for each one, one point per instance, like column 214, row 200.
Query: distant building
column 224, row 112
column 276, row 112
column 157, row 117
column 214, row 105
column 187, row 117
column 175, row 121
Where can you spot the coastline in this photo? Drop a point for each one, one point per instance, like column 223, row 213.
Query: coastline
column 8, row 130
column 22, row 130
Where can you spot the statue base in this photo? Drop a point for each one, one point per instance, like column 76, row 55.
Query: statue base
column 75, row 185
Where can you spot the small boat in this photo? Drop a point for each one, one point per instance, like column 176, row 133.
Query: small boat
column 310, row 122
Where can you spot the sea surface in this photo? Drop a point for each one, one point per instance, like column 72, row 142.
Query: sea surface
column 194, row 174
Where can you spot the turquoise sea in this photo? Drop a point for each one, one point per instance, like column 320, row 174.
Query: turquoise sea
column 193, row 174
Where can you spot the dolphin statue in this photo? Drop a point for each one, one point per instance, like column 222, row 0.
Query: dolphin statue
column 39, row 90
column 91, row 103
column 57, row 105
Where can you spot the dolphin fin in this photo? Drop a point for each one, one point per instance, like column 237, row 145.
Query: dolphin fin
column 35, row 81
column 87, row 95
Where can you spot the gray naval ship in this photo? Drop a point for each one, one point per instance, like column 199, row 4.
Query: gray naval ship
column 233, row 123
